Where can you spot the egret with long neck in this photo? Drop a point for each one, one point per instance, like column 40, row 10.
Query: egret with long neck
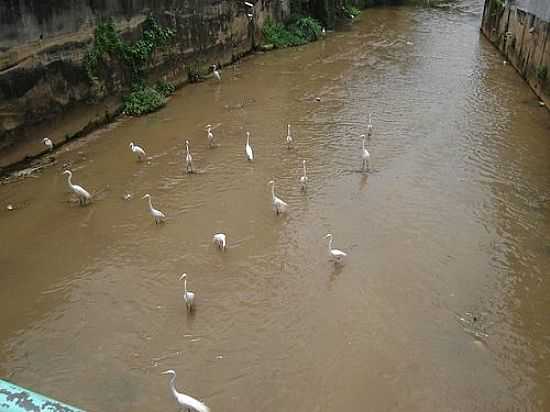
column 83, row 196
column 288, row 137
column 188, row 296
column 248, row 148
column 138, row 150
column 188, row 158
column 334, row 254
column 216, row 72
column 158, row 216
column 279, row 206
column 365, row 155
column 185, row 401
column 304, row 179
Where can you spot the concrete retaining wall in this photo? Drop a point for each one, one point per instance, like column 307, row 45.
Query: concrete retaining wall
column 521, row 31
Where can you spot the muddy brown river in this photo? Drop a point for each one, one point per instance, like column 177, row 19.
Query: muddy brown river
column 442, row 305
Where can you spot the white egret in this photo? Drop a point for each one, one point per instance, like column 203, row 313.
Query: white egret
column 183, row 400
column 216, row 72
column 188, row 158
column 248, row 148
column 288, row 137
column 220, row 240
column 158, row 216
column 188, row 296
column 279, row 206
column 334, row 254
column 365, row 155
column 323, row 32
column 211, row 138
column 369, row 125
column 83, row 196
column 304, row 178
column 48, row 143
column 138, row 150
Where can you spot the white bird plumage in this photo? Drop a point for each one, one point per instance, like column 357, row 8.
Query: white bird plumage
column 188, row 158
column 211, row 138
column 48, row 143
column 279, row 206
column 248, row 149
column 83, row 195
column 216, row 72
column 220, row 240
column 304, row 179
column 288, row 137
column 334, row 254
column 158, row 216
column 138, row 150
column 369, row 125
column 365, row 155
column 185, row 401
column 188, row 296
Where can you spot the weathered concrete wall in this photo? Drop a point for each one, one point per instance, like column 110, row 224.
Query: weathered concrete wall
column 43, row 43
column 521, row 31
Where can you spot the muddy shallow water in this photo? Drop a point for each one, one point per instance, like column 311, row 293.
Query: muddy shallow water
column 443, row 302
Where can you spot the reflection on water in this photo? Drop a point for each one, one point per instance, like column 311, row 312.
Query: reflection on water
column 441, row 305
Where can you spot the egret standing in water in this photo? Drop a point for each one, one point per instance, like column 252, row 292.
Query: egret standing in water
column 217, row 73
column 188, row 158
column 158, row 216
column 183, row 400
column 138, row 150
column 334, row 254
column 211, row 138
column 365, row 155
column 48, row 143
column 83, row 196
column 304, row 178
column 188, row 296
column 288, row 137
column 248, row 148
column 220, row 240
column 279, row 206
column 369, row 125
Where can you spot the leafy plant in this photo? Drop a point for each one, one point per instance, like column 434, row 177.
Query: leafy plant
column 133, row 57
column 542, row 72
column 350, row 11
column 164, row 88
column 300, row 30
column 143, row 100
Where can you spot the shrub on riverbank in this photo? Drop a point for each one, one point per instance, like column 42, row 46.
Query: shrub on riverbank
column 145, row 99
column 298, row 31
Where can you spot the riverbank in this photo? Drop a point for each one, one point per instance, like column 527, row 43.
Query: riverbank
column 44, row 73
column 96, row 95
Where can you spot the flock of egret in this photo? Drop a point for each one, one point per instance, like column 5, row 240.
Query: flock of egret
column 279, row 206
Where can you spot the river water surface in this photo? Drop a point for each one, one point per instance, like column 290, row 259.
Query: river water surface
column 443, row 304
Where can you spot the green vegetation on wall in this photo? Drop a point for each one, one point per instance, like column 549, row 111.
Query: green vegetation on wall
column 542, row 72
column 298, row 30
column 350, row 11
column 110, row 52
